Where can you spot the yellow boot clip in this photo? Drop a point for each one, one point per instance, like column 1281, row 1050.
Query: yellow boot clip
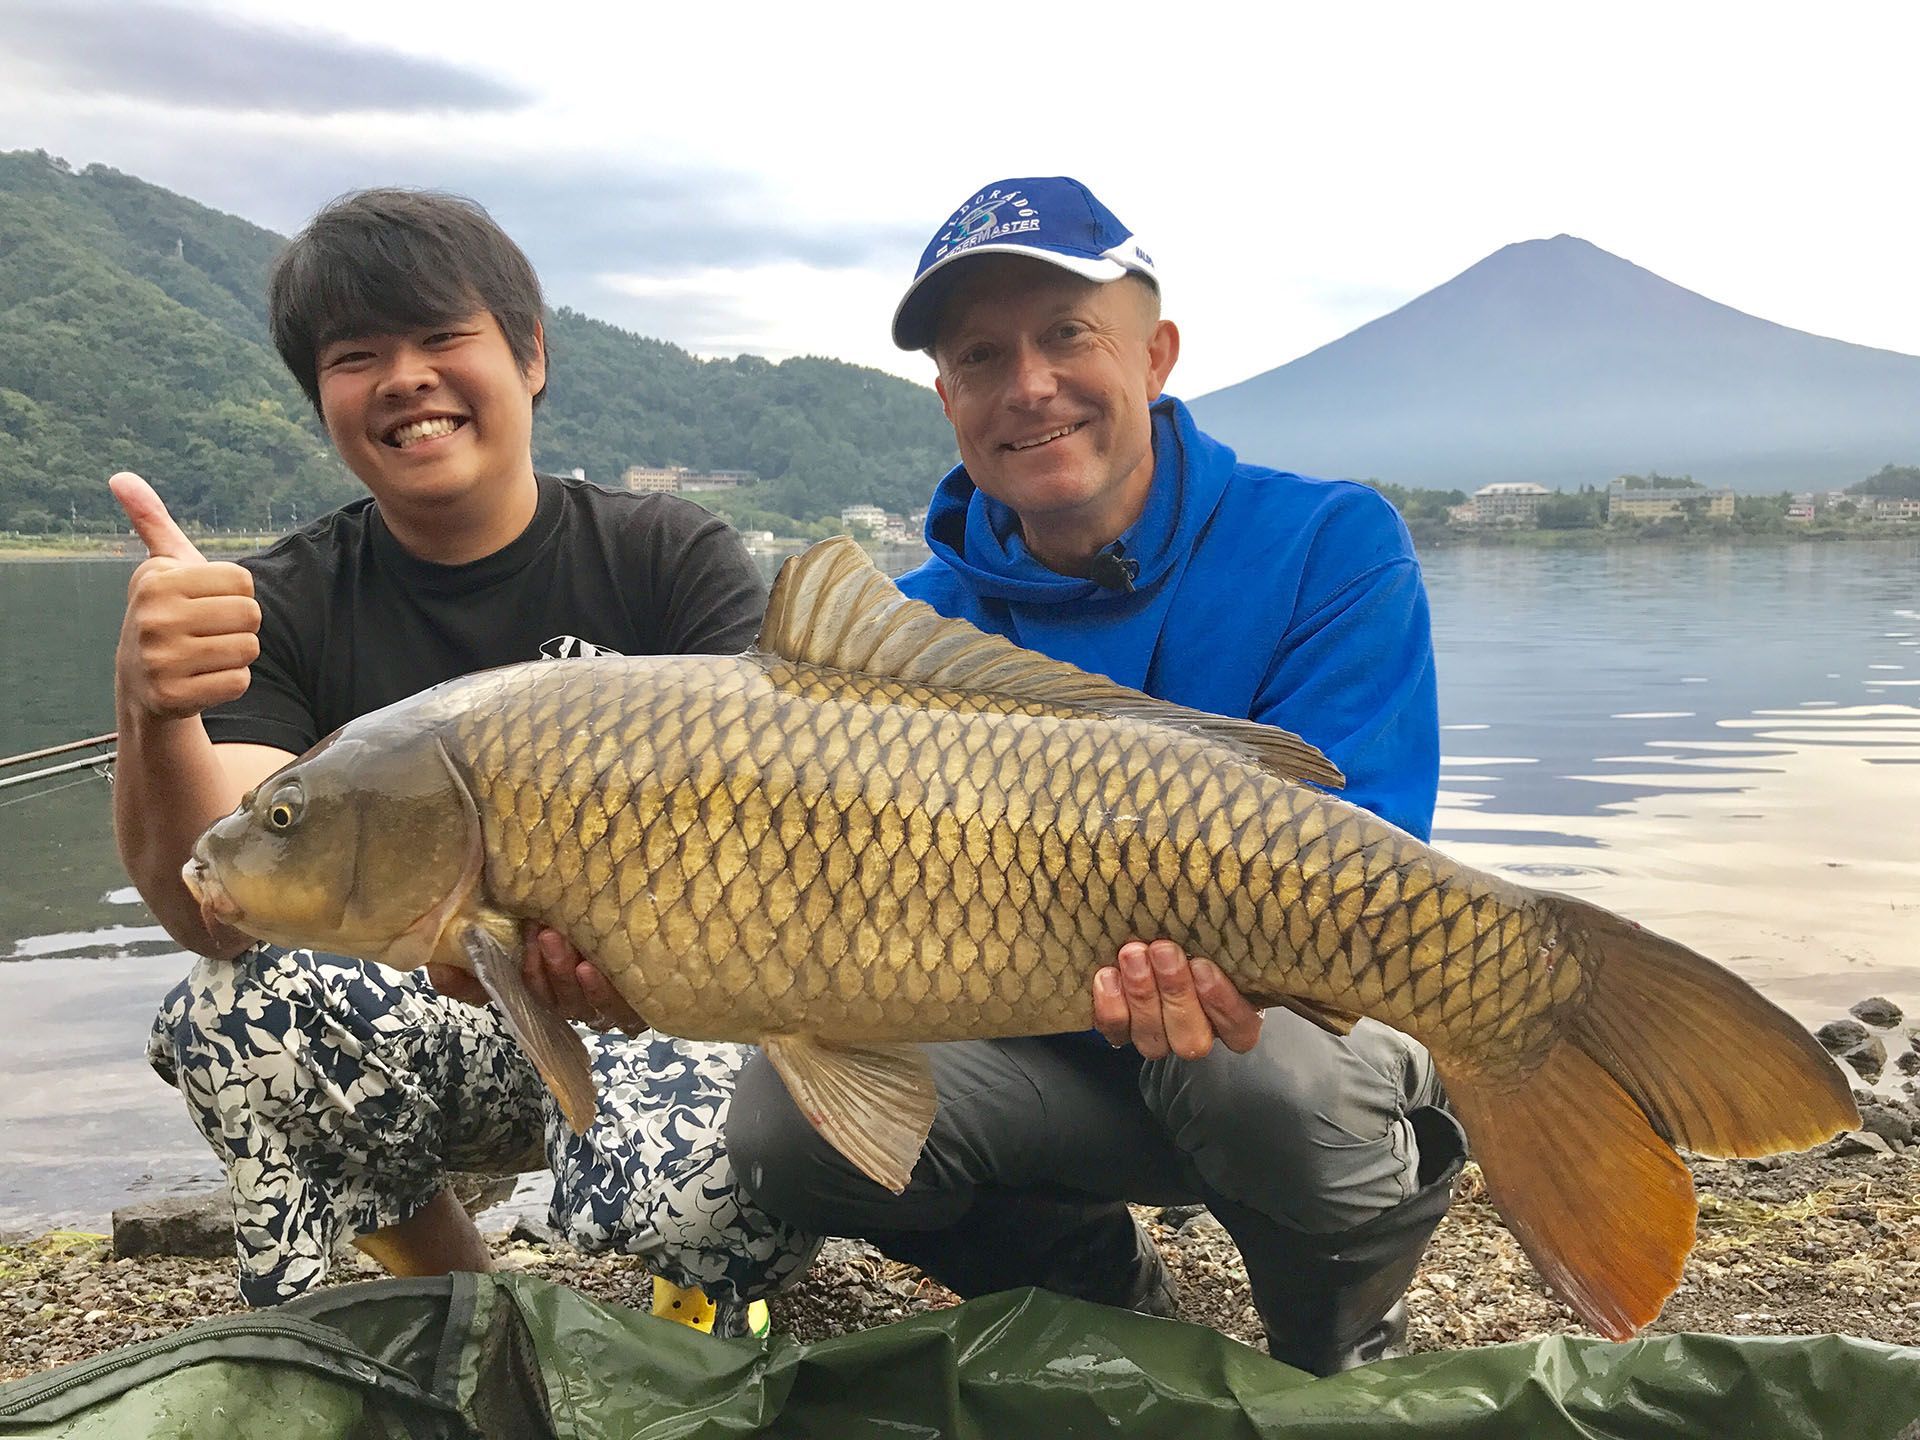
column 691, row 1307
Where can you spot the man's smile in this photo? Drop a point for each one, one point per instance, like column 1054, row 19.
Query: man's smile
column 1047, row 439
column 413, row 432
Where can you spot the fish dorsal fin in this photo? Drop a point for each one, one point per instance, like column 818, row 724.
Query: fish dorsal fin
column 832, row 607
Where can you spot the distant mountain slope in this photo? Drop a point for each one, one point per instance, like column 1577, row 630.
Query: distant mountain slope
column 133, row 335
column 127, row 341
column 1554, row 361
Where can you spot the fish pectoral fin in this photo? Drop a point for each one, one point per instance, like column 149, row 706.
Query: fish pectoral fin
column 872, row 1103
column 547, row 1040
column 1336, row 1022
column 831, row 606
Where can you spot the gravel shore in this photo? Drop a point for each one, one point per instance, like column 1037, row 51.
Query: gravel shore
column 1827, row 1241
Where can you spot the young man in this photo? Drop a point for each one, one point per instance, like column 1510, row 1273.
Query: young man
column 1090, row 520
column 338, row 1094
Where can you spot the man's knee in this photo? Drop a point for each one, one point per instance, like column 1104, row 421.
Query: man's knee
column 226, row 1037
column 777, row 1157
column 1306, row 1128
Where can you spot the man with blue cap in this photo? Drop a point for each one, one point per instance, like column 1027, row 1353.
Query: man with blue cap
column 1090, row 520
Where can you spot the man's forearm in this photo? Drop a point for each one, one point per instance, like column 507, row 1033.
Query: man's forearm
column 168, row 787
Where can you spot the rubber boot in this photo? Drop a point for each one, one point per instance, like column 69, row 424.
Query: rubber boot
column 1009, row 1238
column 1333, row 1302
column 730, row 1319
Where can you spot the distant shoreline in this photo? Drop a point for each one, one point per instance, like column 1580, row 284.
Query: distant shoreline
column 1600, row 538
column 32, row 549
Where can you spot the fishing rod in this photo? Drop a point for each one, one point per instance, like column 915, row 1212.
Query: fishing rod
column 92, row 742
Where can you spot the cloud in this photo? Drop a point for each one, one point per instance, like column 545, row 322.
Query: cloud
column 176, row 56
column 577, row 217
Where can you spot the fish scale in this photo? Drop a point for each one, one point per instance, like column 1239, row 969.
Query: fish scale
column 930, row 864
column 882, row 827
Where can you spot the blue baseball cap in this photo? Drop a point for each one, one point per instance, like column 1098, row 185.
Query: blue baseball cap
column 1051, row 218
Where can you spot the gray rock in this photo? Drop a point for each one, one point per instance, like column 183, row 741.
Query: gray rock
column 1848, row 1040
column 1176, row 1216
column 1907, row 1062
column 1888, row 1122
column 199, row 1225
column 521, row 1214
column 535, row 1230
column 1861, row 1142
column 1840, row 1036
column 1877, row 1011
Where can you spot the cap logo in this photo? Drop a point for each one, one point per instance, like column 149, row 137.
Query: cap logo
column 980, row 220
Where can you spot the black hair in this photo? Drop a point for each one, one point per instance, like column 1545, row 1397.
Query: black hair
column 382, row 262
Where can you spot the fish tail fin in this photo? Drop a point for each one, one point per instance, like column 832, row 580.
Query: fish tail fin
column 1666, row 1048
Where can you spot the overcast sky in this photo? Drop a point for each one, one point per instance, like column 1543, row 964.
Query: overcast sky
column 753, row 177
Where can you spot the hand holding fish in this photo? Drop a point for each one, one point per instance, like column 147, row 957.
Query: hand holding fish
column 558, row 976
column 1166, row 1002
column 882, row 827
column 191, row 628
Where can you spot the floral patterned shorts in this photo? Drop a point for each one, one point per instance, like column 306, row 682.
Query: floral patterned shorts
column 338, row 1094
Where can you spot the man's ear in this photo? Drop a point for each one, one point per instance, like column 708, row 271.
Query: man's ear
column 940, row 389
column 1162, row 350
column 537, row 366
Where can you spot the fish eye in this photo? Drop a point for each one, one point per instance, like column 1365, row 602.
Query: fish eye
column 285, row 807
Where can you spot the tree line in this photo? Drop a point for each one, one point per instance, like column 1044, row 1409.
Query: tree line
column 133, row 336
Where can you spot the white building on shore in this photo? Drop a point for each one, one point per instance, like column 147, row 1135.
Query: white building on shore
column 1509, row 502
column 679, row 480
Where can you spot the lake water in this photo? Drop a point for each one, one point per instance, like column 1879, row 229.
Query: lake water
column 1722, row 743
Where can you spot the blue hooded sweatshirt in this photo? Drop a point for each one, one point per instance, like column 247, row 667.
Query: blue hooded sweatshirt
column 1259, row 594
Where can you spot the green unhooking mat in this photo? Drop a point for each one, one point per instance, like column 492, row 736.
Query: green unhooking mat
column 521, row 1359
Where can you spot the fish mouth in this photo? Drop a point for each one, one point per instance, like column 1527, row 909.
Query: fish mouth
column 217, row 908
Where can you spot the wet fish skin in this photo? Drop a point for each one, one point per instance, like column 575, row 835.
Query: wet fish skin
column 882, row 827
column 750, row 848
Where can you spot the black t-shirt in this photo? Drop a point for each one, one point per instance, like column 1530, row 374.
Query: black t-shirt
column 351, row 622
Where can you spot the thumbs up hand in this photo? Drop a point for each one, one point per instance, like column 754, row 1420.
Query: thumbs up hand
column 192, row 625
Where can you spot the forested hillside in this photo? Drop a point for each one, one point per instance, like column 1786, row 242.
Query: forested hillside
column 133, row 335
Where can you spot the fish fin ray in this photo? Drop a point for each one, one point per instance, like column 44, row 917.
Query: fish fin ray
column 1717, row 1068
column 1664, row 1049
column 872, row 1103
column 833, row 608
column 547, row 1039
column 1566, row 1137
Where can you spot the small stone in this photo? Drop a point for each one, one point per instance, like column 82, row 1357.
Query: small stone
column 1840, row 1036
column 1887, row 1121
column 1877, row 1011
column 1907, row 1062
column 179, row 1225
column 533, row 1230
column 1848, row 1040
column 1861, row 1142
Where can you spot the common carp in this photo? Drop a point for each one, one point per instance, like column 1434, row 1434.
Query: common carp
column 881, row 827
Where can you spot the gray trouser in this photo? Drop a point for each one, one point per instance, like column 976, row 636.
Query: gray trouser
column 1308, row 1131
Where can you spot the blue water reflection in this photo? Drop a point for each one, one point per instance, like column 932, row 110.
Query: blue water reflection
column 1621, row 658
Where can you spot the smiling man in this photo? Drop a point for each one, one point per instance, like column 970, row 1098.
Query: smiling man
column 1090, row 520
column 338, row 1094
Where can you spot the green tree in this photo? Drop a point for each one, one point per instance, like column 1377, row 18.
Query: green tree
column 133, row 336
column 1585, row 510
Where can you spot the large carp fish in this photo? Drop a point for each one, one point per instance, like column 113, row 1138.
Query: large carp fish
column 881, row 827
